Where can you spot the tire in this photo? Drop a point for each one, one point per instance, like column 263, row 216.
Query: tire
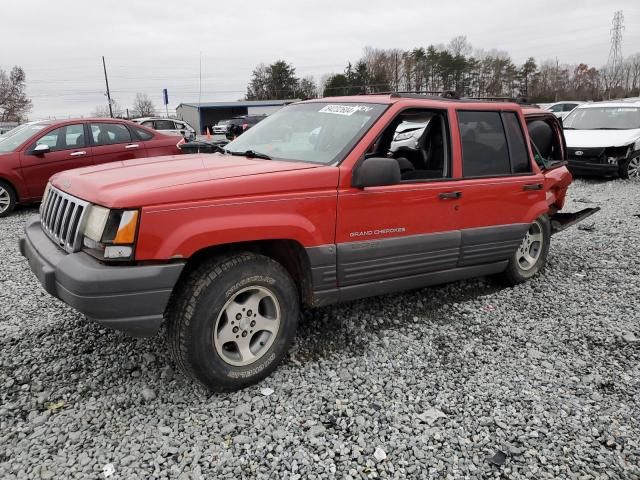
column 531, row 256
column 7, row 199
column 214, row 304
column 630, row 168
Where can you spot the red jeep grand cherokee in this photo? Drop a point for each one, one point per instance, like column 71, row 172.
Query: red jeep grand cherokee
column 324, row 201
column 37, row 150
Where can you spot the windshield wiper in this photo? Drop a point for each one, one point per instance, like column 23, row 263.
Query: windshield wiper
column 568, row 128
column 251, row 154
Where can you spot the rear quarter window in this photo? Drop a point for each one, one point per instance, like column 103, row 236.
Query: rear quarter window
column 519, row 153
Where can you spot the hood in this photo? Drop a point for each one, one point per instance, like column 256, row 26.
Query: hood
column 600, row 138
column 174, row 179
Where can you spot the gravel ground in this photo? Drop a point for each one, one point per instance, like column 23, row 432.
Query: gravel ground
column 468, row 380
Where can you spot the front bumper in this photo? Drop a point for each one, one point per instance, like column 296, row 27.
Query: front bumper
column 131, row 299
column 591, row 168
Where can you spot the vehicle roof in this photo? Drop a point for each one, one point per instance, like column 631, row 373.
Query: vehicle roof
column 625, row 102
column 388, row 99
column 144, row 119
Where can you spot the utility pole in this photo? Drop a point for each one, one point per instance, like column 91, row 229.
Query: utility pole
column 106, row 81
column 614, row 65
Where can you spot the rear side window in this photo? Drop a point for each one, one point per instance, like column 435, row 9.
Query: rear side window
column 141, row 134
column 484, row 146
column 165, row 125
column 518, row 149
column 109, row 133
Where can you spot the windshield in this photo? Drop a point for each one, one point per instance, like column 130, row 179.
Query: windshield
column 223, row 122
column 603, row 118
column 309, row 132
column 16, row 138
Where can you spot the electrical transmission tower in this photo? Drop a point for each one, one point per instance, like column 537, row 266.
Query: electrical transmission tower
column 614, row 65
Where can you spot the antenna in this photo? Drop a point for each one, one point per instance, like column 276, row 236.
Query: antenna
column 614, row 65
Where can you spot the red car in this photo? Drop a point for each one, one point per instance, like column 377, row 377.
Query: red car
column 309, row 207
column 36, row 151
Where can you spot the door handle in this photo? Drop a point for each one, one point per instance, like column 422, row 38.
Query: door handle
column 134, row 145
column 532, row 186
column 77, row 154
column 449, row 195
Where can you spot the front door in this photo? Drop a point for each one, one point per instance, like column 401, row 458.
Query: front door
column 408, row 229
column 68, row 148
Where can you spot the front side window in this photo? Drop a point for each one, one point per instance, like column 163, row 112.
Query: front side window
column 318, row 132
column 603, row 118
column 419, row 141
column 63, row 138
column 484, row 146
column 569, row 106
column 109, row 133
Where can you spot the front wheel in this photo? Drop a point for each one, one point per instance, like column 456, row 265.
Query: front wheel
column 531, row 256
column 232, row 321
column 7, row 199
column 630, row 168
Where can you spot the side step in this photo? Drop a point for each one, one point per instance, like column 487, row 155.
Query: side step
column 562, row 221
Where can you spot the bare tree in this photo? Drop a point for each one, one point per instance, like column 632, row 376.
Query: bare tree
column 102, row 111
column 143, row 106
column 14, row 103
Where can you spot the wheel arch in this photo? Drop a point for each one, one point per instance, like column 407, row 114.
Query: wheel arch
column 12, row 186
column 288, row 253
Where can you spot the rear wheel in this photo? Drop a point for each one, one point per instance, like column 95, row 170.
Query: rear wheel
column 232, row 322
column 630, row 168
column 7, row 199
column 531, row 256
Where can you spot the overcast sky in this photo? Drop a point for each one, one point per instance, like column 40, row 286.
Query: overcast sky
column 152, row 44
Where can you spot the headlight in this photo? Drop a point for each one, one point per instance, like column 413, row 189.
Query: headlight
column 110, row 234
column 96, row 221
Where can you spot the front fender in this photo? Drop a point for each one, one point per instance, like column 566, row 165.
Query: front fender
column 180, row 233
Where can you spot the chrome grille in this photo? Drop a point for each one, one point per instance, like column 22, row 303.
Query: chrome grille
column 61, row 217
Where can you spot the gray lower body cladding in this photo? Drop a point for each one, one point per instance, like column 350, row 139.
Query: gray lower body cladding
column 360, row 269
column 127, row 298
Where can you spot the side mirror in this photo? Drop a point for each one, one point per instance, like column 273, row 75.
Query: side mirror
column 41, row 149
column 376, row 172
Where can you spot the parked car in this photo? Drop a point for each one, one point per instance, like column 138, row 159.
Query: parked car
column 310, row 207
column 562, row 109
column 168, row 126
column 604, row 139
column 38, row 150
column 220, row 128
column 238, row 125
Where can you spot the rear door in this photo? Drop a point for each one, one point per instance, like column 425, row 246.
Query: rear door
column 499, row 189
column 69, row 148
column 112, row 142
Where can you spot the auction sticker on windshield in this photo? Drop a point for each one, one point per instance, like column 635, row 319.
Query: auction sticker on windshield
column 345, row 109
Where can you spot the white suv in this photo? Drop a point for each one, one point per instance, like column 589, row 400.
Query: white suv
column 168, row 125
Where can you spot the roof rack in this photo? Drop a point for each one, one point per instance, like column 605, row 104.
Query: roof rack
column 452, row 95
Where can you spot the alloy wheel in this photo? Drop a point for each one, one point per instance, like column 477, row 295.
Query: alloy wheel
column 634, row 167
column 531, row 247
column 247, row 326
column 5, row 199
